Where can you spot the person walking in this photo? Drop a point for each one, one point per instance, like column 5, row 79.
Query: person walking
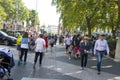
column 46, row 41
column 60, row 39
column 39, row 50
column 85, row 48
column 18, row 42
column 100, row 48
column 24, row 48
column 52, row 42
column 68, row 41
column 77, row 46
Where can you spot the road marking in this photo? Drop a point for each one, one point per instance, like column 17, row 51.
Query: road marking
column 36, row 79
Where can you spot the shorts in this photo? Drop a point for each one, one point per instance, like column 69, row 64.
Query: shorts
column 69, row 52
column 51, row 45
column 18, row 47
column 67, row 46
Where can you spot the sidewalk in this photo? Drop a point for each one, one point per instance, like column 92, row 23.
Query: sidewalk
column 56, row 66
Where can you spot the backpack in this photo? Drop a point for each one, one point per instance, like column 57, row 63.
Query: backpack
column 24, row 40
column 52, row 41
column 33, row 42
column 18, row 40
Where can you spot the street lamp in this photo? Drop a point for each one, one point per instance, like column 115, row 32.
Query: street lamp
column 36, row 14
column 17, row 9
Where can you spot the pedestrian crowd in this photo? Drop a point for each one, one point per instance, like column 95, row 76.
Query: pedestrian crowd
column 34, row 42
column 79, row 47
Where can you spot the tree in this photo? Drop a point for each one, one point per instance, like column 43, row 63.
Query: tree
column 2, row 14
column 87, row 14
column 9, row 8
column 33, row 18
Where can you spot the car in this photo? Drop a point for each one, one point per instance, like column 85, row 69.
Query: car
column 7, row 39
column 14, row 33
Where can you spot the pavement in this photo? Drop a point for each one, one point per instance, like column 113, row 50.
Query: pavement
column 56, row 66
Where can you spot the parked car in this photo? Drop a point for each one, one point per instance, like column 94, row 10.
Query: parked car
column 14, row 33
column 6, row 39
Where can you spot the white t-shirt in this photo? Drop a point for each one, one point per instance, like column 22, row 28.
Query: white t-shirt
column 40, row 45
column 68, row 40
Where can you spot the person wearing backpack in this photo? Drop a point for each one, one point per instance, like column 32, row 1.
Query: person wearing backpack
column 18, row 42
column 24, row 48
column 52, row 42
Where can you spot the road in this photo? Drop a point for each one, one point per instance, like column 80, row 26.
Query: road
column 56, row 66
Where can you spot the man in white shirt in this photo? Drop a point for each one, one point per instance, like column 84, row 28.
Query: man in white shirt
column 39, row 49
column 101, row 46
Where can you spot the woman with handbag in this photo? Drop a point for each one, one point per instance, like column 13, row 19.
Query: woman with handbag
column 85, row 48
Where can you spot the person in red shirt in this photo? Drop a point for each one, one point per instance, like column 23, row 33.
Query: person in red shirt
column 46, row 41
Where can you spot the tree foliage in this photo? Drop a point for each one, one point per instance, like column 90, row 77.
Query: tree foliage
column 88, row 15
column 8, row 11
column 33, row 18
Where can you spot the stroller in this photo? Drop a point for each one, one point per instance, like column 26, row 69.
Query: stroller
column 77, row 52
column 6, row 63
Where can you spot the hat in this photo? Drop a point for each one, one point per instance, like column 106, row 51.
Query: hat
column 86, row 38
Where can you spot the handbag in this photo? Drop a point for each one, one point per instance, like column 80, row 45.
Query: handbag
column 105, row 52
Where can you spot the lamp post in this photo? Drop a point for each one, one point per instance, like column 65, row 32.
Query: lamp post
column 36, row 14
column 16, row 20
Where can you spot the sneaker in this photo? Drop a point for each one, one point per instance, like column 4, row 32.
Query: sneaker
column 69, row 58
column 40, row 65
column 25, row 63
column 99, row 73
column 19, row 62
column 82, row 68
column 34, row 66
column 75, row 56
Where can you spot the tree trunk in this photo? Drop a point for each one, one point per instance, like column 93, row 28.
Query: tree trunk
column 117, row 52
column 113, row 31
column 89, row 26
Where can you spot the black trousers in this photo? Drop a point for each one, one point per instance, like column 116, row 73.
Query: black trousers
column 84, row 58
column 23, row 53
column 37, row 54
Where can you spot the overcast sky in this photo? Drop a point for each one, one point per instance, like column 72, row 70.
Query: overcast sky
column 47, row 13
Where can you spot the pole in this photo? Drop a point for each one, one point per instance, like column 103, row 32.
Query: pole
column 16, row 21
column 36, row 14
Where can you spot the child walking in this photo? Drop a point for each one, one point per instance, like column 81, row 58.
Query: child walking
column 70, row 51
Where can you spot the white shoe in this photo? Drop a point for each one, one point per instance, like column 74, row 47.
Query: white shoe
column 69, row 58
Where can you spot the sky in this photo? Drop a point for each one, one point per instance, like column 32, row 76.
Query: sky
column 47, row 13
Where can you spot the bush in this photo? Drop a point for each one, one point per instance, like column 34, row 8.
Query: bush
column 112, row 45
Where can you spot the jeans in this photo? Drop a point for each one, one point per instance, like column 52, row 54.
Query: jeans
column 84, row 58
column 36, row 57
column 99, row 59
column 23, row 53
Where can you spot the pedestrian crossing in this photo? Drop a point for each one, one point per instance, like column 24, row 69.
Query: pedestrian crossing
column 36, row 79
